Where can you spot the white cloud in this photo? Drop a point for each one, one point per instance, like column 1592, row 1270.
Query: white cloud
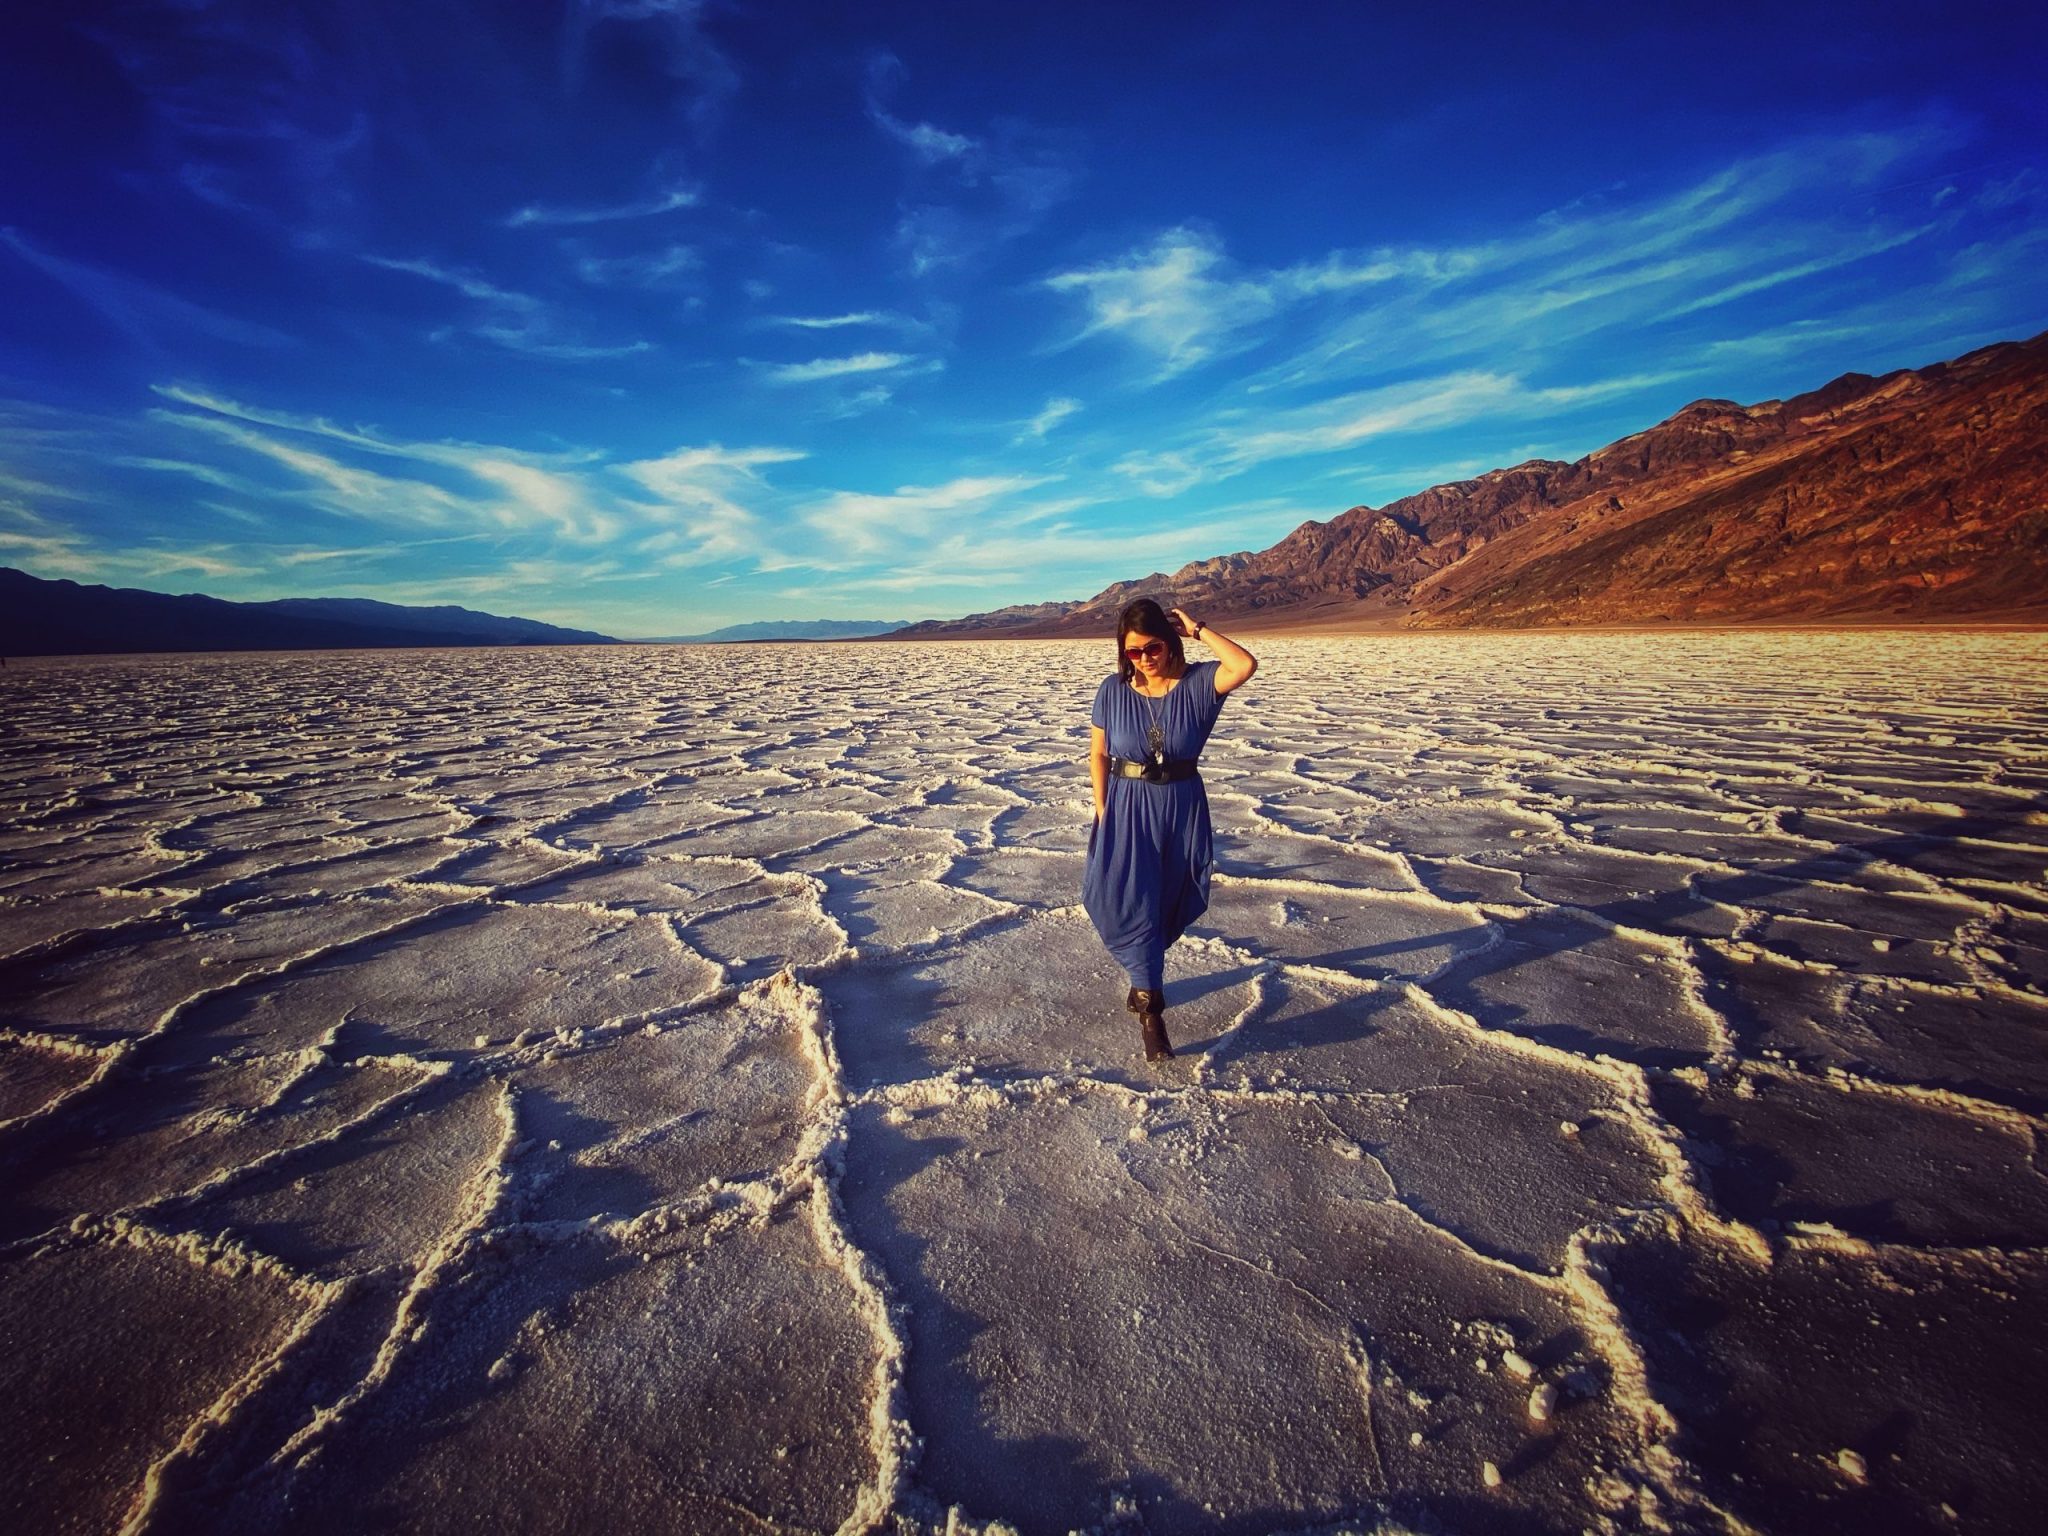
column 1234, row 441
column 212, row 560
column 146, row 314
column 1056, row 410
column 929, row 144
column 518, row 322
column 654, row 269
column 22, row 485
column 208, row 474
column 989, row 567
column 472, row 484
column 1173, row 299
column 859, row 403
column 833, row 367
column 1353, row 418
column 1160, row 474
column 63, row 553
column 67, row 552
column 342, row 489
column 519, row 339
column 834, row 322
column 467, row 284
column 1770, row 220
column 702, row 494
column 934, row 236
column 966, row 194
column 667, row 200
column 865, row 526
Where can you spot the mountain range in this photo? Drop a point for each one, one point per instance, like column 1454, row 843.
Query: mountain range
column 1918, row 495
column 61, row 618
column 788, row 629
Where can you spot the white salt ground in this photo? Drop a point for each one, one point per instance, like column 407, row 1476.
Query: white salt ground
column 677, row 1089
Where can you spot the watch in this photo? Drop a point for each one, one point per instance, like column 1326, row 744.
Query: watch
column 1199, row 627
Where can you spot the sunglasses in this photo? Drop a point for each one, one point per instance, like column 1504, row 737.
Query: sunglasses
column 1151, row 650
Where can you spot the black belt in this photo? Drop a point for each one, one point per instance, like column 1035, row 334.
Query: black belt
column 1172, row 771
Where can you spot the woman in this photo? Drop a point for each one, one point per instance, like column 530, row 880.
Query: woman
column 1150, row 851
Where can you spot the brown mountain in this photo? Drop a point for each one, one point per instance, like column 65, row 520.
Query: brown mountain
column 1919, row 495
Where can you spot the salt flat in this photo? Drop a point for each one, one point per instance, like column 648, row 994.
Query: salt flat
column 520, row 1090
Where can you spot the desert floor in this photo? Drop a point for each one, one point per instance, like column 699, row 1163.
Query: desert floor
column 677, row 1089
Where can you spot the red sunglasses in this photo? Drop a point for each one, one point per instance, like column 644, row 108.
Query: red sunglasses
column 1151, row 650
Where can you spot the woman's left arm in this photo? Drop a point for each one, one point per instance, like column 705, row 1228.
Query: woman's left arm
column 1234, row 664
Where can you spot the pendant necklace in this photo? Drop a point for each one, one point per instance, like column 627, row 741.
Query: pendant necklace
column 1155, row 738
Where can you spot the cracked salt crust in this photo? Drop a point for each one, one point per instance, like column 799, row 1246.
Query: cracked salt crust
column 431, row 1078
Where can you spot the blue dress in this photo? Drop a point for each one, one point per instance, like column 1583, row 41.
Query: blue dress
column 1150, row 855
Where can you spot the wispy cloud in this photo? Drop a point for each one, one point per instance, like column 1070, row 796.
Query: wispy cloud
column 13, row 484
column 1160, row 474
column 1056, row 410
column 208, row 474
column 325, row 482
column 1772, row 220
column 66, row 552
column 216, row 560
column 835, row 367
column 692, row 504
column 653, row 269
column 1351, row 419
column 1173, row 299
column 61, row 554
column 836, row 322
column 520, row 339
column 468, row 284
column 867, row 525
column 704, row 497
column 966, row 194
column 449, row 485
column 1234, row 441
column 264, row 113
column 145, row 313
column 688, row 509
column 927, row 143
column 965, row 569
column 668, row 200
column 516, row 321
column 1778, row 276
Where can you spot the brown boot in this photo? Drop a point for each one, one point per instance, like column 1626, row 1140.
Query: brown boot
column 1151, row 1010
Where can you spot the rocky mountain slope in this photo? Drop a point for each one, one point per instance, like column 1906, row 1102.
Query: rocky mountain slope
column 1919, row 495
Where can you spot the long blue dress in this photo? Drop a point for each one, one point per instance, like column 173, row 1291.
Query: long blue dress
column 1150, row 855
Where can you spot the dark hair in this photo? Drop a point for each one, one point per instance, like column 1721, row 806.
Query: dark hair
column 1147, row 618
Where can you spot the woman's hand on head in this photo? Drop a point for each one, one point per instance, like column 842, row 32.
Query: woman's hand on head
column 1182, row 622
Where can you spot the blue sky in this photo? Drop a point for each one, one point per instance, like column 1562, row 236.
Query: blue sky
column 655, row 316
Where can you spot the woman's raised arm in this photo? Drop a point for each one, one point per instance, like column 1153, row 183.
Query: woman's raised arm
column 1234, row 664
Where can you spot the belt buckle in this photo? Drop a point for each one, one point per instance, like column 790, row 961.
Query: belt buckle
column 1155, row 773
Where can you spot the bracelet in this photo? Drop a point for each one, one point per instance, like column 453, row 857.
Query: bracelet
column 1199, row 627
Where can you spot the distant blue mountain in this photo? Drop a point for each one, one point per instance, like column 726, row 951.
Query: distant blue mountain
column 792, row 629
column 474, row 628
column 63, row 618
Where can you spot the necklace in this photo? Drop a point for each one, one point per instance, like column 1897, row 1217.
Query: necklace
column 1155, row 738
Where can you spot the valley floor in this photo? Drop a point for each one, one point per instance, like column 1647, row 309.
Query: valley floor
column 675, row 1088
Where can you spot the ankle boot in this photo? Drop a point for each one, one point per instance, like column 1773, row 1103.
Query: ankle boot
column 1151, row 1011
column 1131, row 1000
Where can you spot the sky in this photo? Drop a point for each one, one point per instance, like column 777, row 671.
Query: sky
column 653, row 316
